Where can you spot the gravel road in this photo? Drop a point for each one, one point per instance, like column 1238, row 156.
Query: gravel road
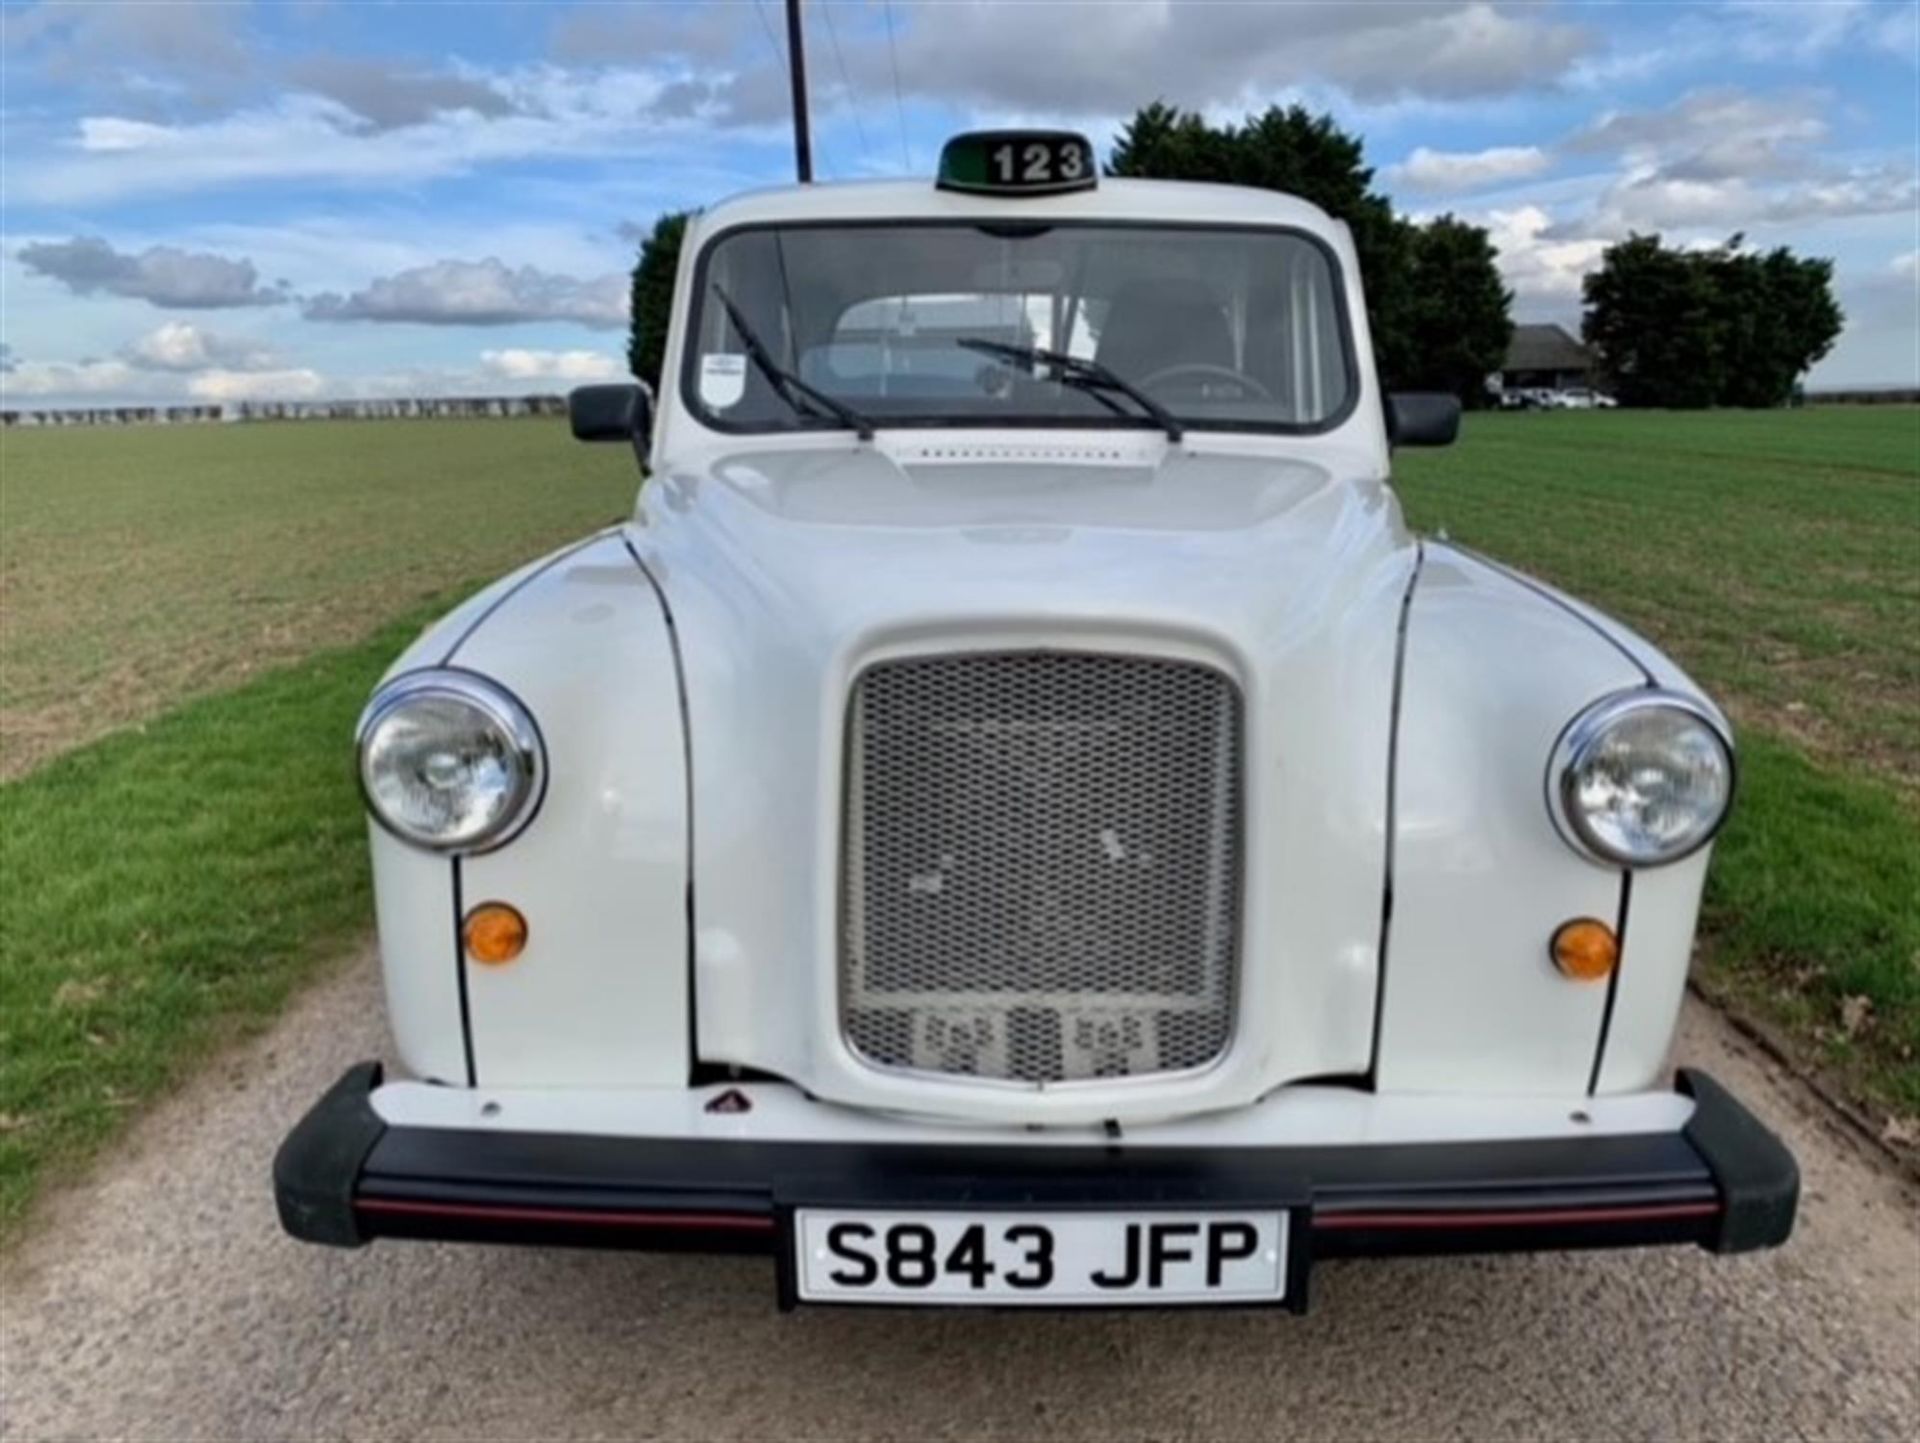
column 160, row 1301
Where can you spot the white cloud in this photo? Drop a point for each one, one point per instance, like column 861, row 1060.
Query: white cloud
column 120, row 382
column 371, row 121
column 1005, row 56
column 335, row 162
column 392, row 128
column 182, row 55
column 104, row 133
column 1008, row 55
column 342, row 250
column 179, row 346
column 1471, row 52
column 297, row 384
column 1896, row 31
column 162, row 276
column 386, row 96
column 1651, row 202
column 558, row 367
column 479, row 293
column 1538, row 267
column 1436, row 171
column 81, row 379
column 1726, row 159
column 1881, row 343
column 88, row 44
column 1712, row 134
column 304, row 137
column 622, row 34
column 512, row 371
column 1805, row 31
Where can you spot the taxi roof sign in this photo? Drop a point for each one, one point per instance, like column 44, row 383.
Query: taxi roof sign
column 1018, row 162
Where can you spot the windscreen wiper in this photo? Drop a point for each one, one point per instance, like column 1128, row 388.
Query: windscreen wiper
column 789, row 387
column 1089, row 376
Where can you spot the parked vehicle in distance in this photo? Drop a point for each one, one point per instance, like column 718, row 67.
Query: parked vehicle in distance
column 1580, row 398
column 1015, row 817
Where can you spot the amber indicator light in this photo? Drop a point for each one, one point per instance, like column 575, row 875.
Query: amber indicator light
column 494, row 933
column 1585, row 949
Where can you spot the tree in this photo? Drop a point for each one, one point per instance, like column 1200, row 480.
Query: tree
column 1650, row 320
column 651, row 300
column 1790, row 320
column 1452, row 337
column 1454, row 320
column 1723, row 327
column 1287, row 150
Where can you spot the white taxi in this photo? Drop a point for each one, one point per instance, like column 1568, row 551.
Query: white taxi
column 1015, row 817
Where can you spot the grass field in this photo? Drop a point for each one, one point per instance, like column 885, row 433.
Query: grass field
column 237, row 590
column 1775, row 554
column 166, row 888
column 1777, row 557
column 190, row 620
column 140, row 565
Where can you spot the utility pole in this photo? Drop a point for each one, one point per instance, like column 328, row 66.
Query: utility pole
column 797, row 65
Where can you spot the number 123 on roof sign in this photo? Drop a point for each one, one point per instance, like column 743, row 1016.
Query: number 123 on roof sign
column 1018, row 162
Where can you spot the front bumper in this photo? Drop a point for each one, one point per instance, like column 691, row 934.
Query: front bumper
column 345, row 1176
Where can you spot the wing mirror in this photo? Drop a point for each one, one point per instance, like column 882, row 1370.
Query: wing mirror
column 618, row 412
column 1422, row 418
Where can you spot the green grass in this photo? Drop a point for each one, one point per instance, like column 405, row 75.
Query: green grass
column 142, row 565
column 1814, row 899
column 171, row 874
column 1777, row 557
column 168, row 887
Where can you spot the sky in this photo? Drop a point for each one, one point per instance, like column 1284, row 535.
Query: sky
column 314, row 198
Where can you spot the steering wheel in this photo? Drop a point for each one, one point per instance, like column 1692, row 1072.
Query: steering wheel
column 1246, row 383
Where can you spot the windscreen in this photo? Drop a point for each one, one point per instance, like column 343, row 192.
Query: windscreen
column 1230, row 328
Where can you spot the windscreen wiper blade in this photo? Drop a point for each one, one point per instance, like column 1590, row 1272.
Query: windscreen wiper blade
column 1089, row 376
column 786, row 385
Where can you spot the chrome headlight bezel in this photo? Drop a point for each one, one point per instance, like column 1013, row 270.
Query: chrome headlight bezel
column 499, row 709
column 1576, row 746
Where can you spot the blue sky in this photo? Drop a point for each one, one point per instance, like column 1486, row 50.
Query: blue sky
column 321, row 198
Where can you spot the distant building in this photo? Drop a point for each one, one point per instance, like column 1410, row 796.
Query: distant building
column 1545, row 358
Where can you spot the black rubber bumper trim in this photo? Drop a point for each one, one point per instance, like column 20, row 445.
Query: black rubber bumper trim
column 317, row 1170
column 1704, row 1184
column 1758, row 1180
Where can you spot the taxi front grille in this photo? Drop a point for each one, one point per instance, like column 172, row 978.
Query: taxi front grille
column 1040, row 870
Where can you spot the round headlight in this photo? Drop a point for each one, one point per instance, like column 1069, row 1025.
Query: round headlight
column 1641, row 778
column 449, row 761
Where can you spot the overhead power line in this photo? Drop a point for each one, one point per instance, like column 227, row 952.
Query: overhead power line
column 846, row 85
column 899, row 106
column 766, row 29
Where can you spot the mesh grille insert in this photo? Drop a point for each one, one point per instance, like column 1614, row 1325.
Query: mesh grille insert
column 1041, row 865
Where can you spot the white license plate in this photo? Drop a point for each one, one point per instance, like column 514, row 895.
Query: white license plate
column 1052, row 1259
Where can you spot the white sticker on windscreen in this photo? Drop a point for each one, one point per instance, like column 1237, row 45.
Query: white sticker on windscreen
column 723, row 379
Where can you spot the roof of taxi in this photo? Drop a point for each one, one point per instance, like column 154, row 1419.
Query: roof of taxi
column 1137, row 200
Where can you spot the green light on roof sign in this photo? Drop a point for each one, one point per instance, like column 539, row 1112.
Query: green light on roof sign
column 1018, row 162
